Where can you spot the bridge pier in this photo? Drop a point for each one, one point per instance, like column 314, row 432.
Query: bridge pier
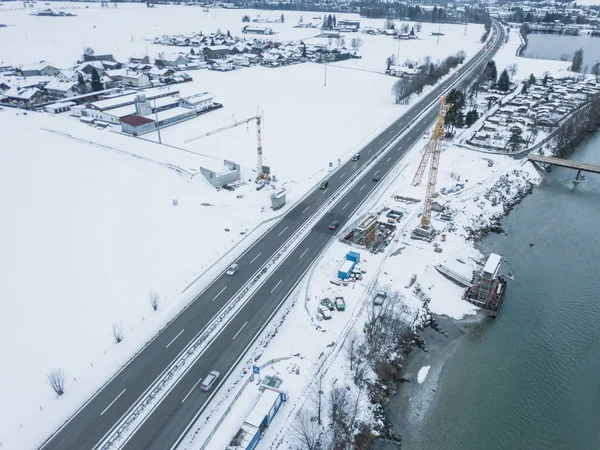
column 578, row 177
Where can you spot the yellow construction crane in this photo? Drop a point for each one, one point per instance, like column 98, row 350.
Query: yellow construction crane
column 433, row 150
column 260, row 169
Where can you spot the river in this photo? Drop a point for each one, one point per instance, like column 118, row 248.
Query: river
column 531, row 378
column 552, row 46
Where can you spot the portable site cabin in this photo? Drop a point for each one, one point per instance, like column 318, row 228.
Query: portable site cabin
column 346, row 269
column 258, row 420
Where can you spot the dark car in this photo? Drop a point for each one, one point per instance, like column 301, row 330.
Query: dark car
column 333, row 225
column 209, row 380
column 376, row 178
column 324, row 185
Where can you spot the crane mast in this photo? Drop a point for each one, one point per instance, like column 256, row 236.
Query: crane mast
column 432, row 151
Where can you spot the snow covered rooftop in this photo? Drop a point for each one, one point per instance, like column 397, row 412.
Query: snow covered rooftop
column 491, row 266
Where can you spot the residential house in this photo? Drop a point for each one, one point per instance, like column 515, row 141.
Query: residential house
column 27, row 97
column 171, row 59
column 88, row 67
column 240, row 60
column 42, row 68
column 61, row 89
column 116, row 75
column 139, row 59
column 4, row 86
column 66, row 75
column 199, row 102
column 216, row 51
column 105, row 57
column 134, row 79
column 240, row 47
column 161, row 74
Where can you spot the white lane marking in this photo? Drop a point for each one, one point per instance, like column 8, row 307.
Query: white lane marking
column 363, row 186
column 346, row 205
column 304, row 210
column 173, row 340
column 111, row 403
column 191, row 390
column 239, row 331
column 283, row 231
column 369, row 150
column 304, row 253
column 342, row 175
column 376, row 172
column 381, row 140
column 220, row 292
column 254, row 259
column 272, row 290
column 324, row 191
column 388, row 160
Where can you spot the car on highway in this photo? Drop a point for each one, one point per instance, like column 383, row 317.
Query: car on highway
column 324, row 185
column 356, row 157
column 232, row 269
column 376, row 178
column 333, row 225
column 209, row 380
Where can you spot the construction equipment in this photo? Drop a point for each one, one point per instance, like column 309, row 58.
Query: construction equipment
column 432, row 151
column 262, row 171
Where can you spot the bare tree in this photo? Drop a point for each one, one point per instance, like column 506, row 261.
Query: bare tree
column 596, row 70
column 56, row 380
column 317, row 396
column 356, row 43
column 154, row 299
column 512, row 69
column 351, row 346
column 118, row 332
column 306, row 431
column 402, row 91
column 404, row 28
column 339, row 408
column 418, row 27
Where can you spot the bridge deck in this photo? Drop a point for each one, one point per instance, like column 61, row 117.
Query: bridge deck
column 565, row 163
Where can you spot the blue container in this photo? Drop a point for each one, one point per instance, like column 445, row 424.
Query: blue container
column 346, row 269
column 353, row 256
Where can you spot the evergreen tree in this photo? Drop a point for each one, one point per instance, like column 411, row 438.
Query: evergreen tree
column 192, row 52
column 304, row 50
column 504, row 81
column 577, row 60
column 412, row 31
column 472, row 117
column 545, row 80
column 455, row 116
column 491, row 73
column 516, row 139
column 531, row 80
column 596, row 70
column 524, row 89
column 80, row 78
column 96, row 82
column 282, row 18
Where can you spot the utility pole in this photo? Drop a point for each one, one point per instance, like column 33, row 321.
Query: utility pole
column 398, row 52
column 157, row 123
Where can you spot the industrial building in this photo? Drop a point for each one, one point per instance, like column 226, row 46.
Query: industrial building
column 488, row 286
column 230, row 174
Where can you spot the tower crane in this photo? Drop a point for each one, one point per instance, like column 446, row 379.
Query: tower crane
column 432, row 151
column 260, row 169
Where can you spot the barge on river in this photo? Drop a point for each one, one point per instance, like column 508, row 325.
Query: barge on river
column 488, row 286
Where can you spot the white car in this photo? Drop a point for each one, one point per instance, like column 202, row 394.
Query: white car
column 324, row 312
column 209, row 380
column 232, row 269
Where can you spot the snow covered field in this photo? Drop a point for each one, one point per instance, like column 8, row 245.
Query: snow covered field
column 92, row 223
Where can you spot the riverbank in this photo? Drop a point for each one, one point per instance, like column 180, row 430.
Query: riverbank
column 531, row 371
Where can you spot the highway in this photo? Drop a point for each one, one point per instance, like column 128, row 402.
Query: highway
column 167, row 423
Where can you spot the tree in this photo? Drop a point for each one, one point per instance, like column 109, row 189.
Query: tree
column 490, row 72
column 306, row 431
column 472, row 117
column 56, row 380
column 412, row 31
column 504, row 81
column 192, row 52
column 390, row 61
column 512, row 69
column 228, row 33
column 531, row 80
column 118, row 333
column 389, row 24
column 80, row 78
column 96, row 82
column 404, row 27
column 455, row 116
column 524, row 88
column 88, row 51
column 282, row 18
column 545, row 79
column 596, row 70
column 356, row 43
column 418, row 27
column 401, row 91
column 334, row 21
column 577, row 60
column 154, row 299
column 246, row 18
column 303, row 50
column 516, row 138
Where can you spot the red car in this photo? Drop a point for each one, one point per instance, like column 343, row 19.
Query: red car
column 333, row 225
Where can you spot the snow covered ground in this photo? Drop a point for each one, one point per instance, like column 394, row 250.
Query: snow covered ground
column 316, row 347
column 92, row 222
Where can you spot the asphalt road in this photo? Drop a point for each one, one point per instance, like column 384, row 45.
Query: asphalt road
column 169, row 420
